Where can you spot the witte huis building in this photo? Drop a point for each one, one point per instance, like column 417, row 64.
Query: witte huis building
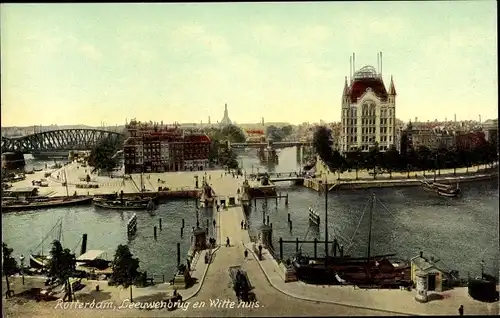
column 368, row 110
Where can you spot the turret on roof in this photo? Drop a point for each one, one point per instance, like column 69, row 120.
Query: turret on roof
column 346, row 88
column 392, row 89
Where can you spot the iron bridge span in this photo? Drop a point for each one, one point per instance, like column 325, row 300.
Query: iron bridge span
column 59, row 140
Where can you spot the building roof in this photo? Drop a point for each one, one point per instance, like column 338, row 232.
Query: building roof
column 23, row 190
column 359, row 86
column 90, row 255
column 196, row 138
column 392, row 89
column 428, row 265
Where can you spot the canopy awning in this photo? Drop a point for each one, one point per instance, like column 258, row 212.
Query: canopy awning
column 90, row 255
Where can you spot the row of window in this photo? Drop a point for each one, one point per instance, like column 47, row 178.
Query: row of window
column 368, row 112
column 354, row 139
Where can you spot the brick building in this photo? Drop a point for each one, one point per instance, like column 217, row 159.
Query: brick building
column 470, row 140
column 158, row 148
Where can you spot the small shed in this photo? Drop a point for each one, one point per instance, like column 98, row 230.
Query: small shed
column 438, row 277
column 24, row 192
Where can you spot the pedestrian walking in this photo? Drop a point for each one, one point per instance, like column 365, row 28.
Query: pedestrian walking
column 246, row 253
column 245, row 225
column 214, row 223
column 461, row 310
column 242, row 224
column 227, row 242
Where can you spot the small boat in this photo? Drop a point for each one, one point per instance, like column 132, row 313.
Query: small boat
column 40, row 261
column 143, row 204
column 43, row 203
column 454, row 192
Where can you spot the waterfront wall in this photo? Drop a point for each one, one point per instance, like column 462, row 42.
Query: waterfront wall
column 318, row 185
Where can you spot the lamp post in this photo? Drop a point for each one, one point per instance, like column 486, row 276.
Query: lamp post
column 21, row 258
column 482, row 268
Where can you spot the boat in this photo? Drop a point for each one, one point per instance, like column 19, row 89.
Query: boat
column 40, row 261
column 125, row 204
column 450, row 192
column 36, row 203
column 368, row 271
column 440, row 188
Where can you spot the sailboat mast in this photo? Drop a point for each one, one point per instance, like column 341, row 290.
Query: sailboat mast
column 326, row 220
column 370, row 228
column 66, row 182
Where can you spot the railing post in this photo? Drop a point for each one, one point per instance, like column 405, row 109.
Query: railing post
column 281, row 248
column 296, row 244
column 315, row 248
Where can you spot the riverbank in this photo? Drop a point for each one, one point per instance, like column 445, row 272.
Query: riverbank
column 364, row 180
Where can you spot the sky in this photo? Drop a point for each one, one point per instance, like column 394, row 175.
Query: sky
column 181, row 62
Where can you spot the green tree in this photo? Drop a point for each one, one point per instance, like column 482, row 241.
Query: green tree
column 62, row 265
column 101, row 156
column 125, row 268
column 9, row 265
column 423, row 158
column 233, row 133
column 373, row 159
column 357, row 158
column 410, row 161
column 322, row 144
column 391, row 159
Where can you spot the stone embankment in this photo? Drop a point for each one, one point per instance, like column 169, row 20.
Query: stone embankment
column 364, row 179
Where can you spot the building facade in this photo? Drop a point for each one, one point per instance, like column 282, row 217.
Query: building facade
column 158, row 148
column 368, row 112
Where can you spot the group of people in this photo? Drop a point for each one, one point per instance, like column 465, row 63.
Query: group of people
column 244, row 225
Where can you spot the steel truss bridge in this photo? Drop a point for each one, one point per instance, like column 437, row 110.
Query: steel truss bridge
column 58, row 140
column 274, row 145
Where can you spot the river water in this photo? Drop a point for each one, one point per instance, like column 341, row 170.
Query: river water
column 461, row 232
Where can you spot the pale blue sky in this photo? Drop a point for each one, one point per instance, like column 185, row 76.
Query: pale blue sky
column 84, row 64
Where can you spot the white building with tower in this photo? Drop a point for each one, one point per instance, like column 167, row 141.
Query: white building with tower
column 368, row 109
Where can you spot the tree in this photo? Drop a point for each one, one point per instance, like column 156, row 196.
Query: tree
column 322, row 143
column 62, row 265
column 101, row 156
column 125, row 268
column 373, row 159
column 391, row 159
column 9, row 265
column 357, row 158
column 233, row 133
column 423, row 155
column 410, row 161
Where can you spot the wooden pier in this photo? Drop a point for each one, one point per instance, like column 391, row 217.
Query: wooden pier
column 276, row 197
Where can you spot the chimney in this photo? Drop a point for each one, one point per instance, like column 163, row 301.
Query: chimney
column 350, row 68
column 380, row 63
column 354, row 62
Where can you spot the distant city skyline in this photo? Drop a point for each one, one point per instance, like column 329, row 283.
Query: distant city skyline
column 71, row 64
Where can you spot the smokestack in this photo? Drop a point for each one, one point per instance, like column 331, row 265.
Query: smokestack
column 354, row 63
column 455, row 117
column 479, row 118
column 380, row 63
column 350, row 68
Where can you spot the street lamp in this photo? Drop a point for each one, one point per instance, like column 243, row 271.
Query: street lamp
column 21, row 258
column 482, row 268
